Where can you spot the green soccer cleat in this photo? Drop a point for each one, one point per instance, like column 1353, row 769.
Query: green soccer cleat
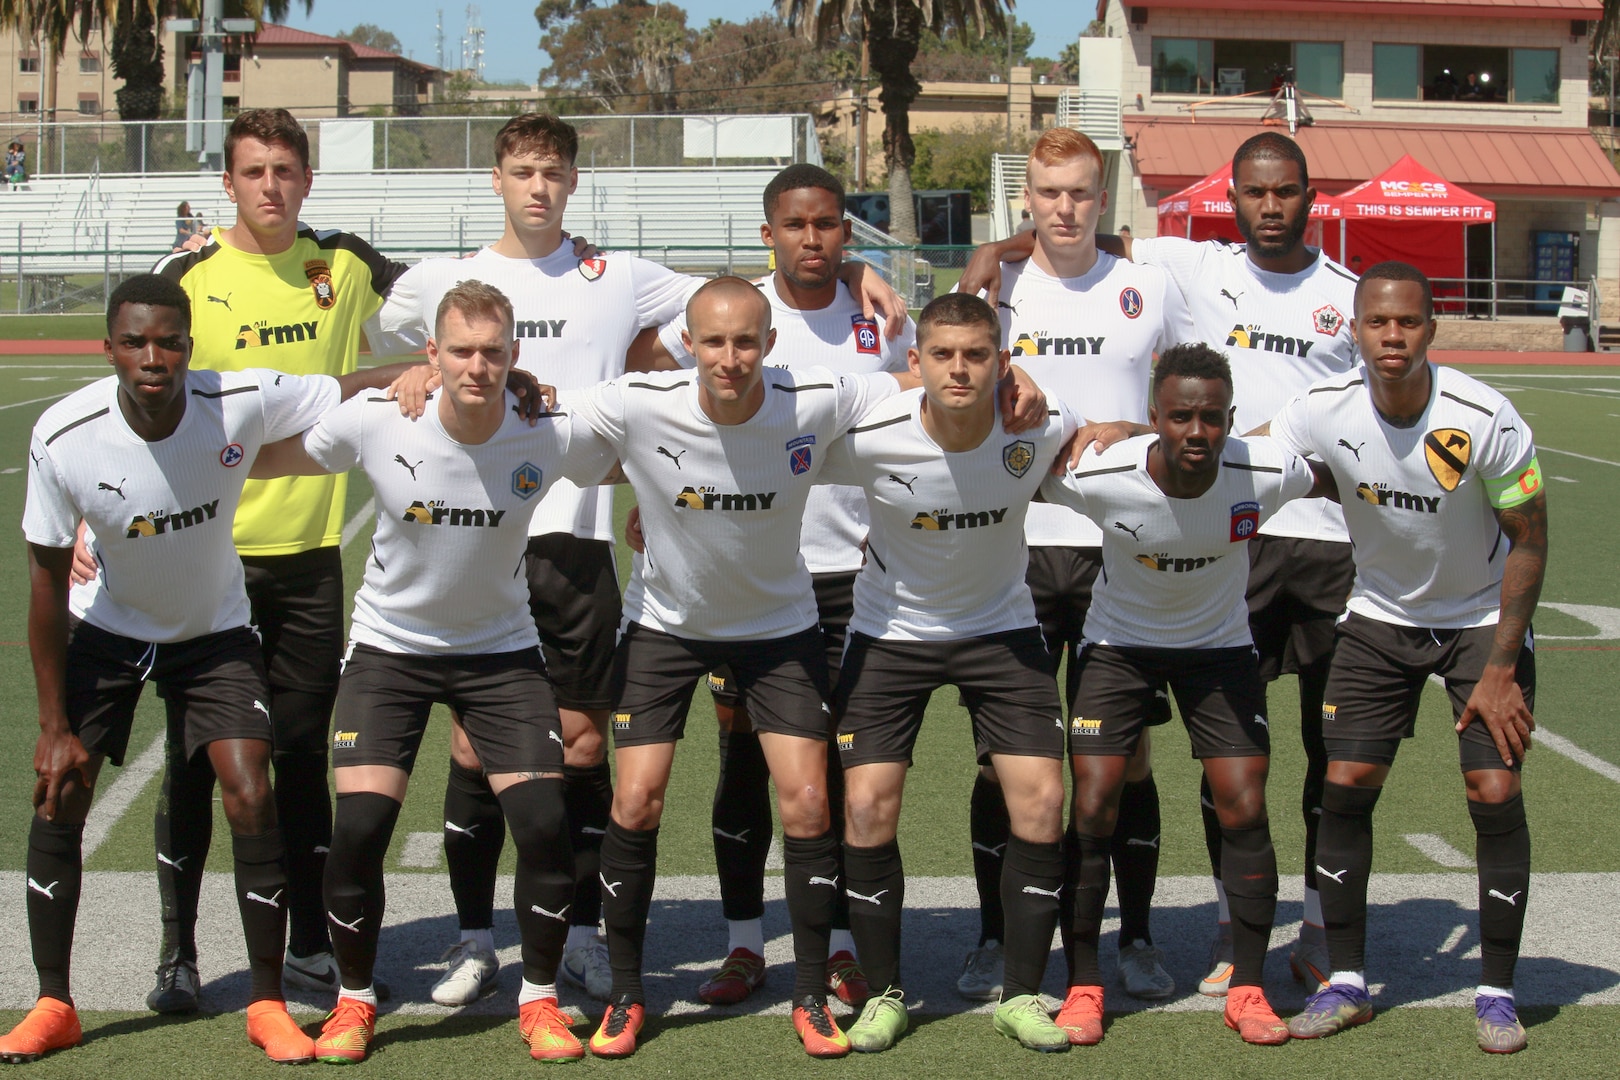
column 1023, row 1018
column 882, row 1021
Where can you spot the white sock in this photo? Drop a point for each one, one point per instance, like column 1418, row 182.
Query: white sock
column 1493, row 991
column 1313, row 908
column 1349, row 978
column 841, row 941
column 747, row 934
column 1225, row 913
column 531, row 992
column 368, row 995
column 579, row 936
column 485, row 939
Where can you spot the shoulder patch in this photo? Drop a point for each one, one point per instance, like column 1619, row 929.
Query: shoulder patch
column 97, row 415
column 383, row 271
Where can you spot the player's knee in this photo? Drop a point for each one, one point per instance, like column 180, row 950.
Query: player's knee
column 637, row 806
column 804, row 809
column 1244, row 809
column 246, row 794
column 1349, row 800
column 1491, row 786
column 870, row 813
column 584, row 744
column 537, row 821
column 363, row 824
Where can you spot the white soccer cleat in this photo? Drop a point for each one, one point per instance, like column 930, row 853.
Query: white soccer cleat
column 983, row 973
column 1219, row 979
column 586, row 966
column 471, row 974
column 1142, row 974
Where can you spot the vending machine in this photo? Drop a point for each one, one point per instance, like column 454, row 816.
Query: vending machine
column 1555, row 258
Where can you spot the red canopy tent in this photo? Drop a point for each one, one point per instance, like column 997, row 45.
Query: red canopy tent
column 1203, row 212
column 1408, row 213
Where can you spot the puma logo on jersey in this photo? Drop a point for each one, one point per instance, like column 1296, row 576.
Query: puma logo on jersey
column 560, row 916
column 676, row 458
column 706, row 498
column 411, row 468
column 1230, row 297
column 435, row 512
column 1038, row 345
column 556, row 737
column 1356, row 449
column 353, row 928
column 1338, row 878
column 945, row 520
column 904, row 483
column 47, row 891
column 1122, row 527
column 740, row 837
column 257, row 704
column 159, row 522
column 1510, row 427
column 1262, row 721
column 1035, row 891
column 226, row 301
column 263, row 334
column 1511, row 901
column 993, row 852
column 118, row 491
column 1252, row 337
column 273, row 900
column 178, row 864
column 1172, row 565
column 34, row 457
column 1010, row 307
column 612, row 888
column 831, row 882
column 873, row 899
column 1378, row 494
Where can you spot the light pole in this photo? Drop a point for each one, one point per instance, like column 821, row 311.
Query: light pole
column 212, row 29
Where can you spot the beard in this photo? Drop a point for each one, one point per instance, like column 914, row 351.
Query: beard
column 1272, row 249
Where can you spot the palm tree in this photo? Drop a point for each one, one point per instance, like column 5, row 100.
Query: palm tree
column 892, row 30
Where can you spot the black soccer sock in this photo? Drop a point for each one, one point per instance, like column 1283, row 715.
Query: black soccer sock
column 55, row 869
column 261, row 897
column 1031, row 883
column 876, row 883
column 1085, row 893
column 629, row 871
column 304, row 812
column 355, row 899
column 741, row 825
column 1343, row 865
column 588, row 796
column 835, row 811
column 543, row 887
column 989, row 829
column 1249, row 873
column 1312, row 689
column 474, row 832
column 182, row 830
column 1135, row 850
column 811, row 881
column 1212, row 826
column 1502, row 850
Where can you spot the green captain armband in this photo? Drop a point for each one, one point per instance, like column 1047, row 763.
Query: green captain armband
column 1517, row 487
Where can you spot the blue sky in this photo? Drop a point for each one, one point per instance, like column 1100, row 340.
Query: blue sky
column 511, row 38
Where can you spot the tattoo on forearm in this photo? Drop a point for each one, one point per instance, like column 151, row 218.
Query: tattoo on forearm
column 1525, row 526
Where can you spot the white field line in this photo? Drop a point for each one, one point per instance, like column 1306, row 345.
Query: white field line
column 36, row 401
column 1537, row 375
column 1438, row 850
column 1599, row 392
column 120, row 794
column 53, row 367
column 352, row 528
column 1562, row 746
column 1573, row 454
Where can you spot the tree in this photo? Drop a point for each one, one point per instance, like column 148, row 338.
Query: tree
column 892, row 30
column 375, row 36
column 620, row 57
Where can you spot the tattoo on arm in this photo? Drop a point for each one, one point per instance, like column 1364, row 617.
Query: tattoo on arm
column 1525, row 526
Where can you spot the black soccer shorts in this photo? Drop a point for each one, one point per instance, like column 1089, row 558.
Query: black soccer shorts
column 835, row 604
column 1297, row 590
column 1219, row 691
column 574, row 598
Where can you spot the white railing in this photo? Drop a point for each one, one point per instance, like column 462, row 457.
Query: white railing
column 1094, row 113
column 1006, row 193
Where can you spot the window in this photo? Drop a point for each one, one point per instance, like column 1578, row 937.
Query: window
column 89, row 64
column 28, row 63
column 89, row 106
column 1535, row 77
column 1395, row 72
column 1230, row 67
column 28, row 104
column 1465, row 73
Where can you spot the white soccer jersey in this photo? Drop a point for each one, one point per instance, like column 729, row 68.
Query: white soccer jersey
column 1090, row 340
column 575, row 319
column 1175, row 570
column 446, row 568
column 946, row 557
column 1281, row 332
column 841, row 338
column 721, row 504
column 161, row 512
column 1419, row 500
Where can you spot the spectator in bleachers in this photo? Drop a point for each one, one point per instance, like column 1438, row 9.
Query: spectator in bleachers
column 187, row 225
column 16, row 163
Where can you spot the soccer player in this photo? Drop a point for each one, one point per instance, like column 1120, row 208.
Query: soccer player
column 942, row 600
column 1449, row 521
column 1280, row 311
column 270, row 292
column 1179, row 506
column 818, row 322
column 153, row 459
column 577, row 318
column 1086, row 325
column 440, row 617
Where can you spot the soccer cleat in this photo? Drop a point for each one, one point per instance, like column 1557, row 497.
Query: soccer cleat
column 742, row 973
column 177, row 986
column 545, row 1028
column 318, row 973
column 616, row 1038
column 271, row 1029
column 1023, row 1018
column 846, row 979
column 50, row 1025
column 817, row 1029
column 1496, row 1024
column 883, row 1020
column 1220, row 964
column 1250, row 1015
column 983, row 973
column 1308, row 960
column 346, row 1035
column 586, row 966
column 1081, row 1017
column 1141, row 972
column 1330, row 1011
column 472, row 974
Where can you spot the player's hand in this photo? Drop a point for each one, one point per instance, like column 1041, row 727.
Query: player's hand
column 57, row 754
column 1023, row 404
column 1103, row 435
column 411, row 390
column 84, row 568
column 983, row 271
column 534, row 397
column 195, row 241
column 632, row 531
column 1498, row 703
column 877, row 297
column 583, row 248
